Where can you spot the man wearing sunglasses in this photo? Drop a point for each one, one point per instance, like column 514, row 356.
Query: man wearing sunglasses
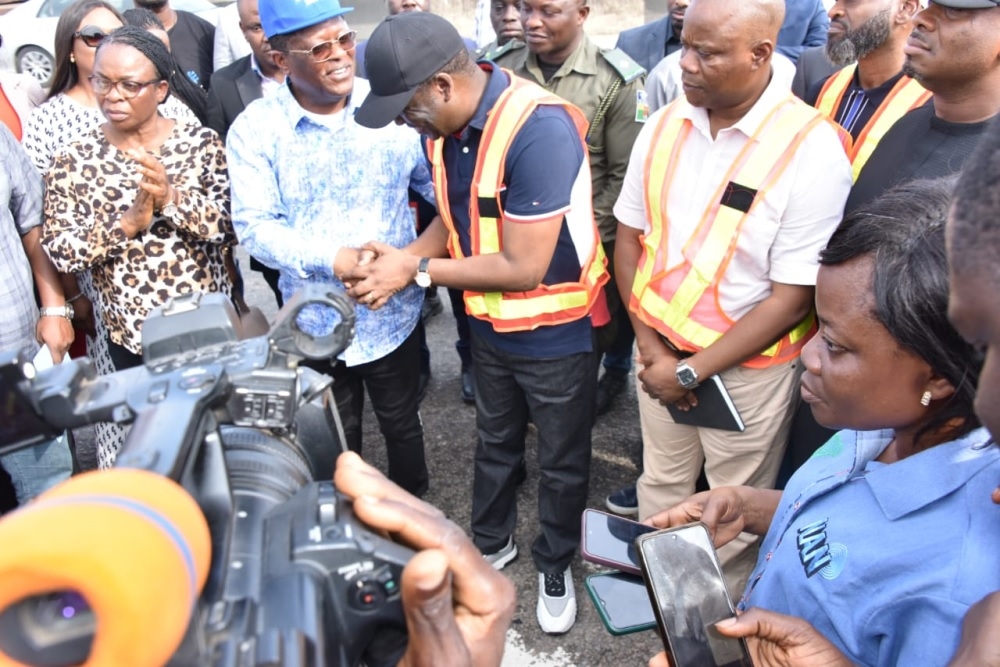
column 310, row 186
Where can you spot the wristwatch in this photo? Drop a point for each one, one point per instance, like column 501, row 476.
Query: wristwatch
column 57, row 311
column 423, row 278
column 170, row 210
column 686, row 376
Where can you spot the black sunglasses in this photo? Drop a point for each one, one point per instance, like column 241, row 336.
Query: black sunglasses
column 91, row 35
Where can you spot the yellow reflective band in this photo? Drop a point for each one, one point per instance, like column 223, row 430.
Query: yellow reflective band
column 907, row 94
column 833, row 90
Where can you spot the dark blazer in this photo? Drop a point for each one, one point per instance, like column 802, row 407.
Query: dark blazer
column 645, row 44
column 233, row 87
column 812, row 67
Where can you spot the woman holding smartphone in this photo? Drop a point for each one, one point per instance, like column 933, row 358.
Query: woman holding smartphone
column 868, row 543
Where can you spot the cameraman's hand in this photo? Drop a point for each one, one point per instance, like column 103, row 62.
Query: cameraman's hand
column 458, row 608
column 726, row 511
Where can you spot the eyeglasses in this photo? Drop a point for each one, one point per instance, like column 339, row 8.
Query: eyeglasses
column 127, row 89
column 90, row 35
column 324, row 50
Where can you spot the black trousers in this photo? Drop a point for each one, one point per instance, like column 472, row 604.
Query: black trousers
column 391, row 383
column 558, row 394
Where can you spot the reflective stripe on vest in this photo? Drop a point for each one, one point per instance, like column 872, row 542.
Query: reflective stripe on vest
column 905, row 96
column 682, row 302
column 545, row 305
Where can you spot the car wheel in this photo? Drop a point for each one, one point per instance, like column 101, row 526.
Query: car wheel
column 36, row 62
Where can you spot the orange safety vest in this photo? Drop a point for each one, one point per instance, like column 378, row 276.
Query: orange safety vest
column 682, row 302
column 545, row 305
column 905, row 96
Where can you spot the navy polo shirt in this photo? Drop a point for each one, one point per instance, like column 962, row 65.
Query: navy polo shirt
column 542, row 173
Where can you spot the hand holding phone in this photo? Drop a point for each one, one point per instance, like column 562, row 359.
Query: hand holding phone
column 610, row 540
column 726, row 512
column 689, row 595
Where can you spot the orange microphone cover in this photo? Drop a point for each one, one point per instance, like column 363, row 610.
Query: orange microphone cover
column 134, row 544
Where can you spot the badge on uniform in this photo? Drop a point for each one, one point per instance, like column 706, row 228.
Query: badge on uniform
column 641, row 106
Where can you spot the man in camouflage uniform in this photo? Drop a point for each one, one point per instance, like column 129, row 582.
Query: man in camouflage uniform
column 609, row 87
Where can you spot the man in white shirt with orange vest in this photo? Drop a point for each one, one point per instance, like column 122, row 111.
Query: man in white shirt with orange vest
column 731, row 192
column 868, row 97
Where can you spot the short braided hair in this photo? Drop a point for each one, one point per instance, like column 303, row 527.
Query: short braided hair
column 146, row 44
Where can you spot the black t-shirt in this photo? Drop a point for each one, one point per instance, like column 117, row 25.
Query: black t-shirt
column 919, row 145
column 191, row 42
column 873, row 99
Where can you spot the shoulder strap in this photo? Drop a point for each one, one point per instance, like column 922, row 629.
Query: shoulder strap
column 628, row 69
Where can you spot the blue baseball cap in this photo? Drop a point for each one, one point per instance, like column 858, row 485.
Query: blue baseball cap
column 279, row 17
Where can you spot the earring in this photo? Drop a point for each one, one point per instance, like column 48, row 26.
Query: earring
column 72, row 58
column 925, row 400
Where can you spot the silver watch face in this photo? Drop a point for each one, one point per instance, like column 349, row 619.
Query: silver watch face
column 423, row 279
column 686, row 377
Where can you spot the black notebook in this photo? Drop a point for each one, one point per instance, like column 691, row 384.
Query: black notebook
column 715, row 408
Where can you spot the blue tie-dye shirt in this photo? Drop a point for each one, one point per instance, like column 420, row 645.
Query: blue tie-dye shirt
column 305, row 186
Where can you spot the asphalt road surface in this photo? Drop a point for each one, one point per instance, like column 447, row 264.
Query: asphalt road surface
column 450, row 435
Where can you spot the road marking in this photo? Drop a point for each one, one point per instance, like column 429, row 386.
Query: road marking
column 516, row 654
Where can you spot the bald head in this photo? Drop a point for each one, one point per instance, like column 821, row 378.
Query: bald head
column 756, row 19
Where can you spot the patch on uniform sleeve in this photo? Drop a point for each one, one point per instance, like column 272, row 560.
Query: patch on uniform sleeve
column 641, row 106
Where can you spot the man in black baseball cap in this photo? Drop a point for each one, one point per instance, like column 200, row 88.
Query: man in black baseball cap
column 954, row 52
column 404, row 51
column 513, row 190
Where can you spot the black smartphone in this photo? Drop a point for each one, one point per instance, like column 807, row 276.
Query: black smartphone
column 610, row 540
column 689, row 595
column 621, row 601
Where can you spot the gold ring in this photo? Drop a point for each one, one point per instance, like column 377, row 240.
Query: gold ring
column 370, row 297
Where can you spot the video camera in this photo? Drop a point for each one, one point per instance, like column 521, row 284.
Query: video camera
column 267, row 567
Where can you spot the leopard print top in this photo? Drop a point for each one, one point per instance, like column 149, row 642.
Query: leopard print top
column 90, row 186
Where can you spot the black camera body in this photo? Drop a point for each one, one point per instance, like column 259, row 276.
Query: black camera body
column 295, row 579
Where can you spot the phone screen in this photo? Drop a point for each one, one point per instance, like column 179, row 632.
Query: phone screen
column 610, row 540
column 622, row 602
column 685, row 580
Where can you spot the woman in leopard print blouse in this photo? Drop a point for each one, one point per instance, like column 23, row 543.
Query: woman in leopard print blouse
column 143, row 201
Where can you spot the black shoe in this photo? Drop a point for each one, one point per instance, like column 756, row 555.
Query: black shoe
column 425, row 379
column 611, row 384
column 432, row 306
column 623, row 501
column 468, row 387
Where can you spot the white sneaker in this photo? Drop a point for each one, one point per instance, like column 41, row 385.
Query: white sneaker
column 507, row 554
column 556, row 602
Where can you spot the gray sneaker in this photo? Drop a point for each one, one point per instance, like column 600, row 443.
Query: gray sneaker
column 500, row 559
column 556, row 602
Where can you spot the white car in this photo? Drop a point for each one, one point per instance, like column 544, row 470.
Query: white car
column 29, row 30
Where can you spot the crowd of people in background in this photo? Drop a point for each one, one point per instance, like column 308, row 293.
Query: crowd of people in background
column 794, row 197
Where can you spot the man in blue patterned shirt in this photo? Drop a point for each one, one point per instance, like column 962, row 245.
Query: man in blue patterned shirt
column 309, row 187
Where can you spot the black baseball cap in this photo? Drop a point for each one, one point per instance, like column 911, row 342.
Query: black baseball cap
column 404, row 51
column 968, row 4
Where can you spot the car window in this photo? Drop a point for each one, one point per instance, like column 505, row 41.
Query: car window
column 51, row 8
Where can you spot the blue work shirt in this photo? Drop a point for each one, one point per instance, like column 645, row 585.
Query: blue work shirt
column 884, row 559
column 305, row 186
column 544, row 173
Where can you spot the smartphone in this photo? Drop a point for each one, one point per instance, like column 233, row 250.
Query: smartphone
column 621, row 601
column 689, row 596
column 610, row 540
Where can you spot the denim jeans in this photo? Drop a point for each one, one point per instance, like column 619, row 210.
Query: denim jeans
column 39, row 468
column 558, row 395
column 391, row 383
